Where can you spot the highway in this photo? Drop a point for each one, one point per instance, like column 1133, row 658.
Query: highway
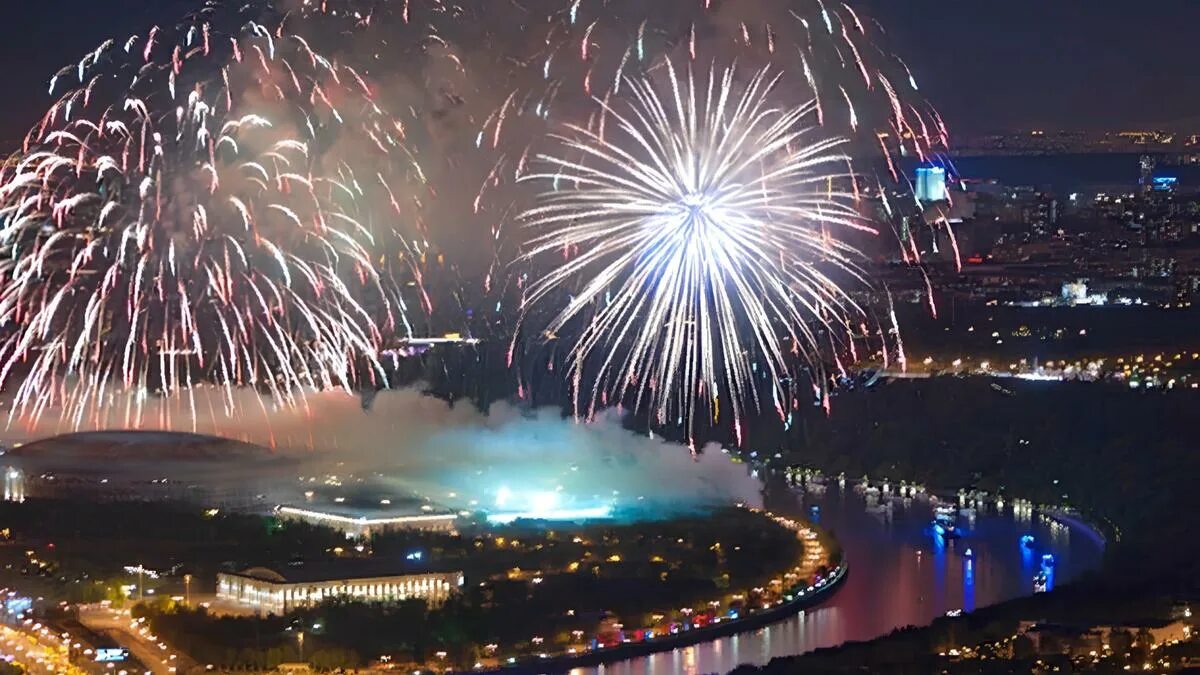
column 38, row 652
column 137, row 638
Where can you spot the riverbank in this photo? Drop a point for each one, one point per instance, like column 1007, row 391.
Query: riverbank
column 810, row 597
column 811, row 581
column 1076, row 522
column 922, row 649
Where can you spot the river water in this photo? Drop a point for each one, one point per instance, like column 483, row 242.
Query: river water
column 900, row 574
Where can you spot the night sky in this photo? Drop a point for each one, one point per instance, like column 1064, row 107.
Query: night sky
column 1076, row 64
column 987, row 65
column 39, row 37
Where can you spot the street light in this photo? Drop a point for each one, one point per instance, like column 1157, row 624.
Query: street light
column 300, row 641
column 187, row 590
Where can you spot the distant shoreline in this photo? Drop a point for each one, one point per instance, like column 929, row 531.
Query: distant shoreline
column 1075, row 522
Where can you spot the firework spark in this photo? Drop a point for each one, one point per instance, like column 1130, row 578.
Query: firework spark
column 705, row 223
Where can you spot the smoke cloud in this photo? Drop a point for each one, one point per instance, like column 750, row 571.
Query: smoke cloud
column 509, row 458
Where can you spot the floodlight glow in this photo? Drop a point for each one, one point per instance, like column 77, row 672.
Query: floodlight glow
column 594, row 513
column 502, row 496
column 542, row 502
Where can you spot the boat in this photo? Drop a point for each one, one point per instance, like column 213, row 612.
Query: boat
column 1044, row 580
column 944, row 527
column 1040, row 582
column 881, row 511
column 879, row 507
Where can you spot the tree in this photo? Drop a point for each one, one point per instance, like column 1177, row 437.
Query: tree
column 1023, row 648
column 1121, row 642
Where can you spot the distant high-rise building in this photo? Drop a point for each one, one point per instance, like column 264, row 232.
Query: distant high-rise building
column 931, row 184
column 1146, row 179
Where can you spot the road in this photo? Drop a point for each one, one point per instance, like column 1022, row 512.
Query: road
column 135, row 636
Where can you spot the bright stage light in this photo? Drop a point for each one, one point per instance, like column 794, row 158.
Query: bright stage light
column 594, row 513
column 541, row 505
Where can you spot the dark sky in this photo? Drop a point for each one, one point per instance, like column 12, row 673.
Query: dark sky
column 1079, row 64
column 986, row 64
column 37, row 37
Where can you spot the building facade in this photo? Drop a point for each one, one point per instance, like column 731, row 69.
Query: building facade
column 364, row 526
column 931, row 184
column 270, row 592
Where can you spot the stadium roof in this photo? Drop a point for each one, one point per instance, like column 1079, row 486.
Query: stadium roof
column 337, row 570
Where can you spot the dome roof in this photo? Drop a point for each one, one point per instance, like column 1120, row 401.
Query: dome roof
column 148, row 455
column 137, row 445
column 265, row 574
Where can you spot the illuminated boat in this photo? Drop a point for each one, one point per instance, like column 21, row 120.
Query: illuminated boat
column 944, row 527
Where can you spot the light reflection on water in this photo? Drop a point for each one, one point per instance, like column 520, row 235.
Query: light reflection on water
column 899, row 575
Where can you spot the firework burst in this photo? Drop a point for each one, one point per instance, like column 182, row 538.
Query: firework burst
column 504, row 89
column 183, row 214
column 488, row 82
column 216, row 203
column 704, row 231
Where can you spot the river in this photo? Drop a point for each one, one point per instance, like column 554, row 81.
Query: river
column 900, row 574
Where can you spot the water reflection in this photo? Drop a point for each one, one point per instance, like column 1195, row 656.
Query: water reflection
column 969, row 583
column 900, row 574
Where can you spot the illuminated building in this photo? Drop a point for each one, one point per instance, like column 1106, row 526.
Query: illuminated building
column 271, row 592
column 1146, row 179
column 363, row 526
column 1077, row 293
column 931, row 184
column 14, row 486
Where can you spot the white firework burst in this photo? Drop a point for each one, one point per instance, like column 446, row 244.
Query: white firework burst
column 703, row 229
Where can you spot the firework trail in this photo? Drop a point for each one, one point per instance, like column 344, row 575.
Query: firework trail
column 704, row 222
column 185, row 213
